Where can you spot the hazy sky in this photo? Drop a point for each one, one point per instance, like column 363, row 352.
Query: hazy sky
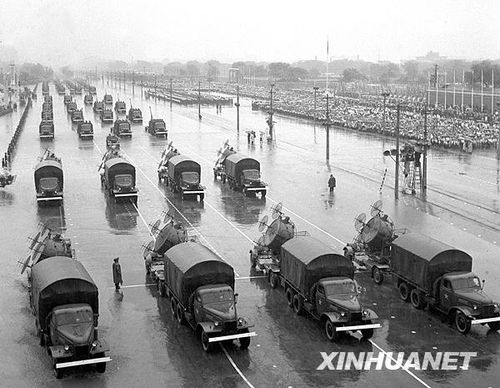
column 59, row 32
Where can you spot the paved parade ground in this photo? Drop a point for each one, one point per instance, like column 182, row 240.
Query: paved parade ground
column 147, row 346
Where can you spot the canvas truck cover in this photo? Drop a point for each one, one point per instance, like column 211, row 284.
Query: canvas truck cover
column 178, row 164
column 61, row 280
column 305, row 261
column 48, row 169
column 191, row 265
column 116, row 166
column 422, row 259
column 236, row 163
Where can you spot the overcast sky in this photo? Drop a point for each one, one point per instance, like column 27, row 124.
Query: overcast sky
column 59, row 32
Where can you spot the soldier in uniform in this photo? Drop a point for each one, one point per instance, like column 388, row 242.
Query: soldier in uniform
column 117, row 274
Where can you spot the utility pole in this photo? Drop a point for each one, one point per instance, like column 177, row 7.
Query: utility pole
column 385, row 95
column 133, row 81
column 170, row 94
column 396, row 179
column 237, row 108
column 124, row 79
column 271, row 112
column 436, row 84
column 199, row 100
column 327, row 129
column 155, row 86
column 424, row 156
column 315, row 94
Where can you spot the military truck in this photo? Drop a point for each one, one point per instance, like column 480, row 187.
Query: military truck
column 320, row 282
column 108, row 99
column 67, row 99
column 71, row 107
column 88, row 99
column 106, row 116
column 169, row 152
column 119, row 179
column 65, row 302
column 77, row 116
column 243, row 173
column 85, row 130
column 432, row 273
column 184, row 177
column 201, row 290
column 49, row 178
column 135, row 115
column 98, row 106
column 120, row 107
column 46, row 129
column 47, row 115
column 92, row 89
column 122, row 128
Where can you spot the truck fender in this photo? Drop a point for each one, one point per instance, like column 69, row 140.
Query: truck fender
column 207, row 327
column 101, row 347
column 371, row 314
column 332, row 316
column 465, row 310
column 57, row 351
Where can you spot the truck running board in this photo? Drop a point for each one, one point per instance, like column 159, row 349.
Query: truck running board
column 484, row 320
column 255, row 189
column 358, row 327
column 231, row 337
column 82, row 362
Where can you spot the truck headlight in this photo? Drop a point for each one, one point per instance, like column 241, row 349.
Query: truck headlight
column 496, row 307
column 94, row 344
column 216, row 323
column 474, row 307
column 342, row 314
column 66, row 348
column 241, row 321
column 365, row 312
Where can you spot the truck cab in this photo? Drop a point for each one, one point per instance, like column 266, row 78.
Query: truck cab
column 72, row 325
column 88, row 99
column 107, row 116
column 250, row 178
column 157, row 127
column 462, row 295
column 98, row 106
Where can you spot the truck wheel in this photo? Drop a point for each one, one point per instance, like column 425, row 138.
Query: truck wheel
column 57, row 372
column 207, row 346
column 378, row 276
column 180, row 315
column 404, row 292
column 273, row 280
column 101, row 366
column 367, row 333
column 298, row 304
column 202, row 197
column 416, row 299
column 462, row 323
column 495, row 326
column 245, row 341
column 331, row 331
column 289, row 296
column 263, row 194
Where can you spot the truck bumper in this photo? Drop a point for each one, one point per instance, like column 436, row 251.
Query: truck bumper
column 192, row 192
column 44, row 199
column 69, row 364
column 231, row 337
column 255, row 189
column 484, row 320
column 359, row 327
column 123, row 195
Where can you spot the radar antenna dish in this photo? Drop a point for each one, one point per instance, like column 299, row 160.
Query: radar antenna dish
column 226, row 143
column 359, row 222
column 219, row 152
column 276, row 210
column 263, row 223
column 169, row 145
column 154, row 227
column 34, row 240
column 376, row 208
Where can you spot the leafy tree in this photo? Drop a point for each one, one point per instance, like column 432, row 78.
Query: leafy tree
column 351, row 74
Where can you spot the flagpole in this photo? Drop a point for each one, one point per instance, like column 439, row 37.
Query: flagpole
column 445, row 90
column 436, row 84
column 472, row 92
column 454, row 88
column 463, row 83
column 492, row 90
column 327, row 61
column 482, row 90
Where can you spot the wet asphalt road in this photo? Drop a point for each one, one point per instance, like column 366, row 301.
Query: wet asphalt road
column 148, row 347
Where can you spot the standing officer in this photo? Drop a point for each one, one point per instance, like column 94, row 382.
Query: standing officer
column 332, row 183
column 117, row 274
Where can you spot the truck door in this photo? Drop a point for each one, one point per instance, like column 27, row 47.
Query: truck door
column 446, row 295
column 321, row 303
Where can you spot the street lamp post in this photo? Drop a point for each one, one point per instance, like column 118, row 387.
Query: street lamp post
column 396, row 179
column 237, row 108
column 385, row 95
column 199, row 100
column 327, row 129
column 170, row 94
column 315, row 95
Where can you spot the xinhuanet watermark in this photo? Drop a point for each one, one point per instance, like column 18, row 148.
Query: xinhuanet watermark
column 394, row 361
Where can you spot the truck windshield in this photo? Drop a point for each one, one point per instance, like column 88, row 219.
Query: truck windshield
column 253, row 175
column 124, row 127
column 72, row 317
column 190, row 177
column 159, row 125
column 340, row 288
column 221, row 300
column 461, row 284
column 49, row 184
column 123, row 180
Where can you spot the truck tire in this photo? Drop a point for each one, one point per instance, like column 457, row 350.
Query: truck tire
column 331, row 331
column 207, row 346
column 180, row 315
column 417, row 299
column 57, row 372
column 245, row 341
column 289, row 296
column 378, row 276
column 100, row 367
column 263, row 194
column 273, row 280
column 495, row 326
column 298, row 304
column 404, row 291
column 462, row 323
column 202, row 197
column 367, row 333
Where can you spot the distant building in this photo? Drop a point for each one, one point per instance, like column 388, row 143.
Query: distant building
column 431, row 57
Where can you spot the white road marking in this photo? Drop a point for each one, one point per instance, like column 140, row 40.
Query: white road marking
column 134, row 286
column 236, row 367
column 144, row 221
column 252, row 277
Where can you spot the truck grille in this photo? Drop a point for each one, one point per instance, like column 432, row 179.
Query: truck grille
column 356, row 317
column 230, row 326
column 81, row 351
column 488, row 311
